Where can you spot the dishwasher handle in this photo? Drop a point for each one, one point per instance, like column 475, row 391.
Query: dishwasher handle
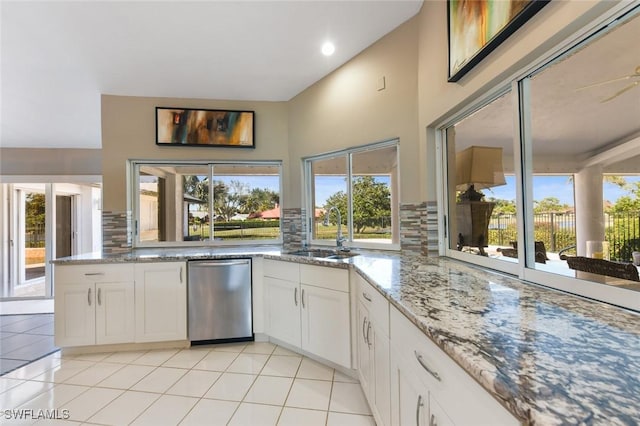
column 219, row 263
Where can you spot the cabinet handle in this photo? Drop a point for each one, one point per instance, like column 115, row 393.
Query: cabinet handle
column 433, row 421
column 430, row 371
column 99, row 296
column 92, row 274
column 181, row 275
column 302, row 298
column 364, row 327
column 366, row 296
column 418, row 407
column 368, row 330
column 89, row 296
column 295, row 296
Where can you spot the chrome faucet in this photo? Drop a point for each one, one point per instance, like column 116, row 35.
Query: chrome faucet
column 339, row 238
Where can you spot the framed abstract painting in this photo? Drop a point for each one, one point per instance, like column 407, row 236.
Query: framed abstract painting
column 204, row 127
column 477, row 27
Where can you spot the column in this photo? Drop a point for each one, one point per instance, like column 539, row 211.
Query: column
column 589, row 207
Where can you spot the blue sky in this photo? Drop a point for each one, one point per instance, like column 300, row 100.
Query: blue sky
column 560, row 187
column 326, row 186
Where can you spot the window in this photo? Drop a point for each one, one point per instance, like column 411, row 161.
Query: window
column 360, row 187
column 481, row 183
column 566, row 203
column 201, row 203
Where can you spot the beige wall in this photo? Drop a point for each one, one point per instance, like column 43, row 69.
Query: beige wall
column 128, row 132
column 50, row 162
column 345, row 109
column 554, row 24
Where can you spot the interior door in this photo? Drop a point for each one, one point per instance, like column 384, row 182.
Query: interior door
column 64, row 226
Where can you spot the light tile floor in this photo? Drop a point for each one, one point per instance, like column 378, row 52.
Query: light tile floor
column 234, row 384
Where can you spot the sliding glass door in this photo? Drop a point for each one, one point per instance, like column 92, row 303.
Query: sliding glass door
column 41, row 222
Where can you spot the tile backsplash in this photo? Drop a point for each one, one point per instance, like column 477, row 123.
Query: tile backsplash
column 418, row 229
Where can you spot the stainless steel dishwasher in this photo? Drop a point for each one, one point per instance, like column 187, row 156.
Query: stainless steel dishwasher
column 219, row 301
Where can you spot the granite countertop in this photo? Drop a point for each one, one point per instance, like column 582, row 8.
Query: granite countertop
column 549, row 357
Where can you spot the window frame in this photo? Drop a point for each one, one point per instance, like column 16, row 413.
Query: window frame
column 519, row 84
column 310, row 208
column 133, row 202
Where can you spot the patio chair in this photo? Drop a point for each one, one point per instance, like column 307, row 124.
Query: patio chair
column 626, row 271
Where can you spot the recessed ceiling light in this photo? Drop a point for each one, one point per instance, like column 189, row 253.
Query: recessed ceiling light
column 328, row 48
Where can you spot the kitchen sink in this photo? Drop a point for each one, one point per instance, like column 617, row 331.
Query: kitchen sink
column 324, row 254
column 345, row 255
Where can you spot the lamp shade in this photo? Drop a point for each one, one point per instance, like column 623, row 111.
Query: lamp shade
column 480, row 166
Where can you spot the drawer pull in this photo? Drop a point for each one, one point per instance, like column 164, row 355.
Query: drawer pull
column 295, row 296
column 89, row 296
column 418, row 407
column 366, row 296
column 430, row 371
column 93, row 274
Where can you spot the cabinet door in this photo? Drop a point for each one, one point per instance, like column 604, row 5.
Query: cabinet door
column 364, row 352
column 282, row 307
column 437, row 415
column 74, row 314
column 380, row 393
column 325, row 324
column 160, row 302
column 409, row 398
column 115, row 313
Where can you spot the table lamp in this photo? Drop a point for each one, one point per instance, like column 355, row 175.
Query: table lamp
column 477, row 167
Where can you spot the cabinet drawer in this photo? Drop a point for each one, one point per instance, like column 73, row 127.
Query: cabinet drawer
column 376, row 304
column 95, row 273
column 325, row 277
column 288, row 271
column 459, row 395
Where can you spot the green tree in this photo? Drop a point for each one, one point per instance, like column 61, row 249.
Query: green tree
column 228, row 199
column 371, row 202
column 197, row 186
column 34, row 209
column 549, row 204
column 260, row 199
column 628, row 203
column 503, row 206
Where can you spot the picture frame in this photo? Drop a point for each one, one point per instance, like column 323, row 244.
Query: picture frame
column 205, row 127
column 472, row 21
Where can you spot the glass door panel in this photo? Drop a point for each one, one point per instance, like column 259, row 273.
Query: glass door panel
column 30, row 247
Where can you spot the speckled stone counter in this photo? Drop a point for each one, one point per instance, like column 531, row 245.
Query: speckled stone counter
column 549, row 357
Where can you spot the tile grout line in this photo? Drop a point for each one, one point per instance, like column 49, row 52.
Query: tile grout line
column 187, row 371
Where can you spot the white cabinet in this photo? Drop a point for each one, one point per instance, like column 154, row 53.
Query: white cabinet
column 160, row 302
column 94, row 304
column 326, row 324
column 114, row 313
column 282, row 301
column 307, row 306
column 428, row 387
column 373, row 349
column 411, row 400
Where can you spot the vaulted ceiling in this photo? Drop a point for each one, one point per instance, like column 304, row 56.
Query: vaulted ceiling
column 58, row 57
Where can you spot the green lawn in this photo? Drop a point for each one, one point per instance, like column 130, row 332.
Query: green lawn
column 322, row 233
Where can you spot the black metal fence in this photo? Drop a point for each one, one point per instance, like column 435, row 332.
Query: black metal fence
column 34, row 236
column 558, row 231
